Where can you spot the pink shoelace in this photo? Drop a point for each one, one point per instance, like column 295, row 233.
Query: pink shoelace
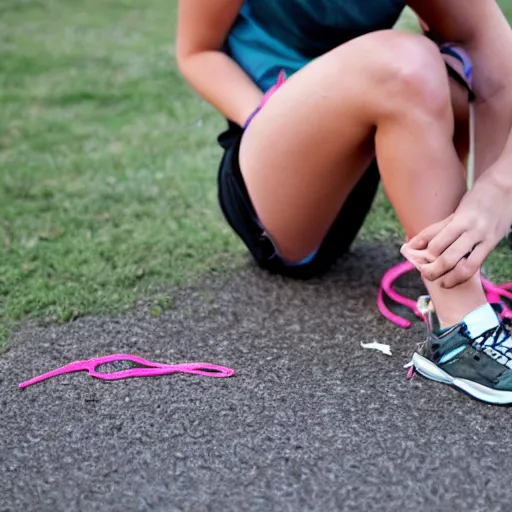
column 495, row 295
column 144, row 368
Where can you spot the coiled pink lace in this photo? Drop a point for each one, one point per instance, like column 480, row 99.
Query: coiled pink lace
column 495, row 295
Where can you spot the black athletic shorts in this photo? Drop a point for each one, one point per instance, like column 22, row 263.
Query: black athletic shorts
column 237, row 207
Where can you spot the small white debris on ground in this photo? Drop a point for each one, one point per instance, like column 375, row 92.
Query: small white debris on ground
column 385, row 349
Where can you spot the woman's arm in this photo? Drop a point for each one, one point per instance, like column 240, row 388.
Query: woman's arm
column 203, row 26
column 485, row 213
column 482, row 30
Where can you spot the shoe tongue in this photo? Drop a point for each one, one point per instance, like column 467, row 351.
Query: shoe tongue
column 443, row 332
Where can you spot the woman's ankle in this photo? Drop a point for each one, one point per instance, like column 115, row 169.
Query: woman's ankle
column 454, row 304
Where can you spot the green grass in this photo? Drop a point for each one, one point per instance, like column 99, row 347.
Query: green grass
column 107, row 163
column 107, row 160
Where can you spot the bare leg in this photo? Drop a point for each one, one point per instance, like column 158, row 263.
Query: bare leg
column 387, row 94
column 429, row 193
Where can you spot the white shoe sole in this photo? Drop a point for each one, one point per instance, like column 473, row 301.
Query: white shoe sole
column 431, row 371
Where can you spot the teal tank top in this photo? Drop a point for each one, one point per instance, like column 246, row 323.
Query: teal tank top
column 273, row 35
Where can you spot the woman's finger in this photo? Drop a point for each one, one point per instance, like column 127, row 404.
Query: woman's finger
column 445, row 238
column 451, row 257
column 423, row 238
column 416, row 257
column 468, row 267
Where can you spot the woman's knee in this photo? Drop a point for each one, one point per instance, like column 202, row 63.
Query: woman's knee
column 408, row 72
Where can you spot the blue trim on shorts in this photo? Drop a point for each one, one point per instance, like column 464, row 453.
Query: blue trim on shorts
column 305, row 261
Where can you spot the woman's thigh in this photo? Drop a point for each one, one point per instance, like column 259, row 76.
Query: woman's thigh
column 306, row 150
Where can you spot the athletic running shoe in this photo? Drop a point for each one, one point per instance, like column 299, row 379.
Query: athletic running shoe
column 481, row 367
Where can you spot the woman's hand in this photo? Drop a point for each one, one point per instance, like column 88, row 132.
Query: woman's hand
column 455, row 249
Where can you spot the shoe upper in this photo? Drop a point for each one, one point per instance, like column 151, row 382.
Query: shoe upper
column 486, row 359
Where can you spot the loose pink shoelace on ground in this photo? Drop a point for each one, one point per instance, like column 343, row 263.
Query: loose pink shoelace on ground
column 145, row 368
column 495, row 295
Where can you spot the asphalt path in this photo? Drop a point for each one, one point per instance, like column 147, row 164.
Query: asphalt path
column 311, row 420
